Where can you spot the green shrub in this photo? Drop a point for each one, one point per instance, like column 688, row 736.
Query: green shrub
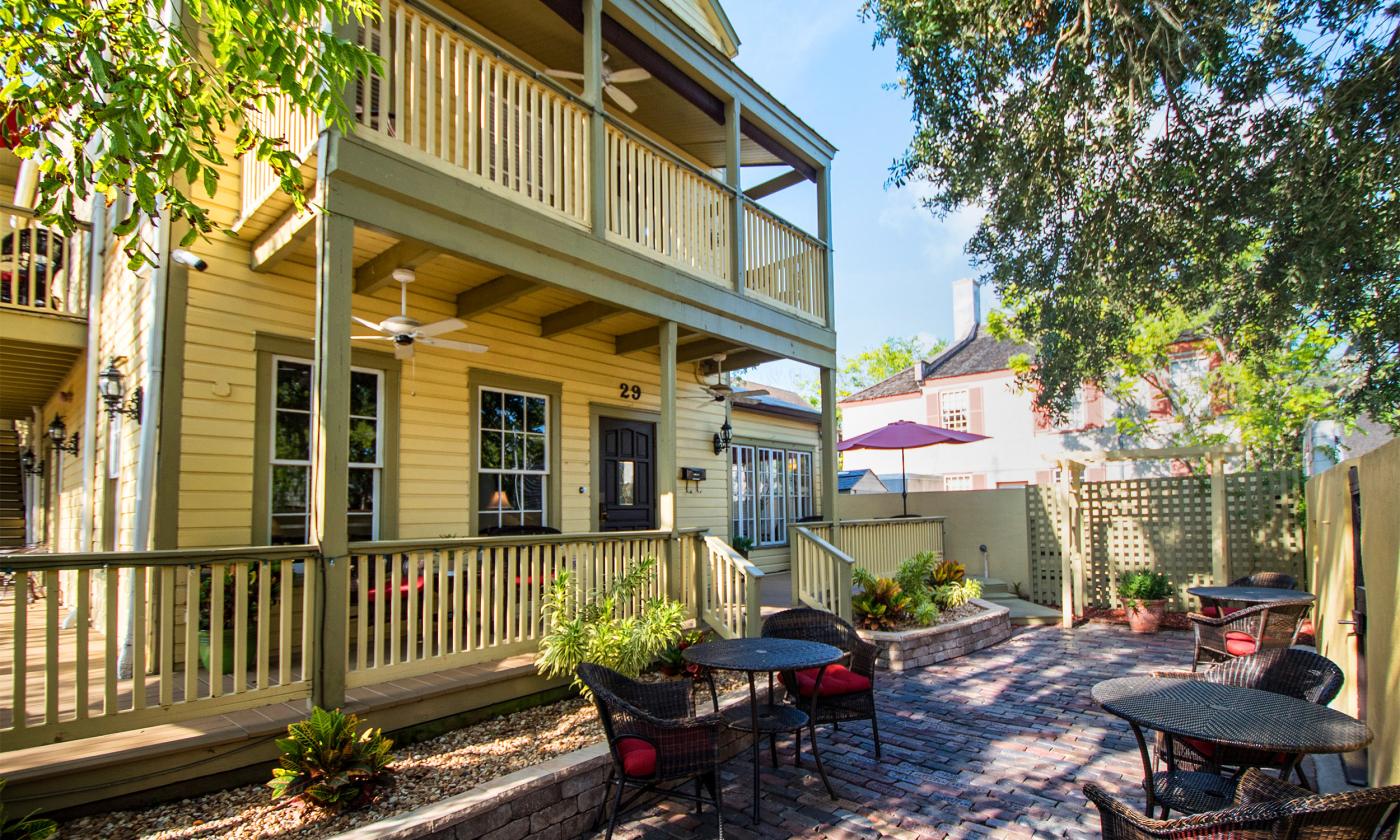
column 26, row 827
column 325, row 762
column 1136, row 587
column 587, row 627
column 881, row 605
column 952, row 595
column 912, row 577
column 673, row 662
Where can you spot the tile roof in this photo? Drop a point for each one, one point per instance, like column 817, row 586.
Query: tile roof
column 977, row 353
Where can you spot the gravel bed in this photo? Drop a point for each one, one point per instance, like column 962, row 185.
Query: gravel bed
column 423, row 773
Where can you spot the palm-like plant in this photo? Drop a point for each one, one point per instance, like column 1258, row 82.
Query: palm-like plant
column 324, row 761
column 882, row 605
column 26, row 827
column 590, row 626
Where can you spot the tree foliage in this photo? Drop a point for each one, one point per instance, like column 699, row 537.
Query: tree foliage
column 876, row 364
column 150, row 99
column 1221, row 156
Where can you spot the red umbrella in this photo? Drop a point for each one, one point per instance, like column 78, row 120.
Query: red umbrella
column 902, row 435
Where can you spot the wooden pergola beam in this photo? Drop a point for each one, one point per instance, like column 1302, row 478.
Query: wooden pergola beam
column 778, row 184
column 493, row 294
column 643, row 339
column 378, row 272
column 576, row 317
column 1169, row 453
column 704, row 348
column 281, row 239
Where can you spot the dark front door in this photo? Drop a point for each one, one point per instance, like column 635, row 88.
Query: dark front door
column 627, row 475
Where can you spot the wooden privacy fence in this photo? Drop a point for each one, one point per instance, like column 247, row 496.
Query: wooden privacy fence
column 41, row 269
column 1166, row 525
column 226, row 629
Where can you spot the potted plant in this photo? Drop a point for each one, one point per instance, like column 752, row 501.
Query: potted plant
column 743, row 545
column 1144, row 596
column 673, row 662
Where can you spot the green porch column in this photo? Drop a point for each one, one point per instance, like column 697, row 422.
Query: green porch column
column 597, row 126
column 667, row 475
column 830, row 436
column 733, row 118
column 330, row 465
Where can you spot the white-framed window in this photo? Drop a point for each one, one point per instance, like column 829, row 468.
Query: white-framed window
column 290, row 461
column 1075, row 415
column 771, row 487
column 1188, row 376
column 957, row 481
column 954, row 409
column 513, row 458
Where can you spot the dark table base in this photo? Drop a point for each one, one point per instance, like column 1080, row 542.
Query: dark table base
column 1187, row 792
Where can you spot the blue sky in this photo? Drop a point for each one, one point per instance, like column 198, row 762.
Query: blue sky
column 894, row 260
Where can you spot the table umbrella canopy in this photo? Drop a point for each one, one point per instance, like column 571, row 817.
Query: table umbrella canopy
column 902, row 435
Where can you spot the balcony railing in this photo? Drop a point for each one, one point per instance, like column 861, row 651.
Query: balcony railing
column 299, row 131
column 222, row 629
column 783, row 264
column 41, row 269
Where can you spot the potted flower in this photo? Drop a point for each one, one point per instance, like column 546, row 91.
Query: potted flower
column 673, row 663
column 1144, row 597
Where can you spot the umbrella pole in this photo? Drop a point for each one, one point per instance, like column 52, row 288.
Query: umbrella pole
column 904, row 482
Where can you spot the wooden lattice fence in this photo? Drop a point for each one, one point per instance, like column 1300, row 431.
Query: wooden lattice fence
column 1164, row 524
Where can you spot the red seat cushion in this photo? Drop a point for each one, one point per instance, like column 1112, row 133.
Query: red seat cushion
column 1251, row 758
column 1215, row 612
column 373, row 593
column 638, row 757
column 837, row 680
column 1239, row 644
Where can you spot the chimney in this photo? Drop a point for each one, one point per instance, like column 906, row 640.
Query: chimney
column 967, row 307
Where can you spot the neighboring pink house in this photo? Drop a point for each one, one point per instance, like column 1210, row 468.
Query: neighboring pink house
column 970, row 387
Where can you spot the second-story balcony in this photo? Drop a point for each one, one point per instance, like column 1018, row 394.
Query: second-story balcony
column 453, row 99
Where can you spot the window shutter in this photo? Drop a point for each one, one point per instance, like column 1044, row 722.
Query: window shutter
column 1044, row 476
column 1093, row 408
column 979, row 481
column 975, row 420
column 935, row 417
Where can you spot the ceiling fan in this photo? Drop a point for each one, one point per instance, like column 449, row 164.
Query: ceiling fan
column 405, row 331
column 721, row 391
column 611, row 80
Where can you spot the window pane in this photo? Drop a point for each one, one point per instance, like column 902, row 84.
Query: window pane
column 626, row 482
column 293, row 385
column 490, row 410
column 362, row 491
column 293, row 441
column 534, row 452
column 497, row 492
column 491, row 450
column 289, row 529
column 362, row 441
column 361, row 526
column 532, row 487
column 514, row 451
column 535, row 414
column 514, row 417
column 289, row 489
column 364, row 394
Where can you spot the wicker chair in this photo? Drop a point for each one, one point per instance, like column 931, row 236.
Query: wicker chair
column 846, row 691
column 1292, row 671
column 1264, row 580
column 1264, row 808
column 654, row 737
column 1243, row 632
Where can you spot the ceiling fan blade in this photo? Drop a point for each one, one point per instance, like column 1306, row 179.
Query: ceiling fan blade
column 446, row 325
column 362, row 322
column 628, row 103
column 464, row 346
column 403, row 351
column 564, row 74
column 371, row 338
column 631, row 74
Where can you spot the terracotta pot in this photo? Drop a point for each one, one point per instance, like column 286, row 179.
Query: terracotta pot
column 1146, row 616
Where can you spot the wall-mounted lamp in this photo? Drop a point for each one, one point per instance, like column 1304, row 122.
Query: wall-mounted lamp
column 30, row 464
column 110, row 385
column 723, row 437
column 58, row 434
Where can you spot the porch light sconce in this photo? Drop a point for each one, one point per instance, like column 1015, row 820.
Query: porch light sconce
column 30, row 464
column 110, row 385
column 58, row 436
column 723, row 437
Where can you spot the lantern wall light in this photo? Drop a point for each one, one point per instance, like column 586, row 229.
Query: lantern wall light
column 723, row 437
column 31, row 464
column 111, row 385
column 58, row 436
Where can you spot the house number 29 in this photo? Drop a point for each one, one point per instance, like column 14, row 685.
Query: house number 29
column 629, row 392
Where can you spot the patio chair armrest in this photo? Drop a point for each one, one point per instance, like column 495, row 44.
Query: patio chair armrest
column 862, row 657
column 1238, row 616
column 1256, row 787
column 1122, row 821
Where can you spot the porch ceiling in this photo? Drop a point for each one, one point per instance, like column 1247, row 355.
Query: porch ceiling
column 30, row 372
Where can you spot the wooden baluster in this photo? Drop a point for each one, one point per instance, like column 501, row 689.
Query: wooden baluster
column 361, row 566
column 165, row 635
column 20, row 670
column 380, row 605
column 394, row 599
column 428, row 600
column 82, row 619
column 309, row 637
column 240, row 627
column 498, row 599
column 264, row 620
column 286, row 590
column 142, row 636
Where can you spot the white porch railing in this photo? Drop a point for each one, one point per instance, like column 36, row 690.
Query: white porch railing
column 728, row 585
column 300, row 132
column 783, row 264
column 821, row 572
column 41, row 269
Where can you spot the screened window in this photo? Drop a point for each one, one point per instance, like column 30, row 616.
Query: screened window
column 954, row 408
column 771, row 487
column 290, row 498
column 513, row 454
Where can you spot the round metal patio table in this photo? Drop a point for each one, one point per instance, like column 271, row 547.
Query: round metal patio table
column 754, row 656
column 1251, row 594
column 1223, row 714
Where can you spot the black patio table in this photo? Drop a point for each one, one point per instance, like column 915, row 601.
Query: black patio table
column 1224, row 714
column 1251, row 594
column 766, row 656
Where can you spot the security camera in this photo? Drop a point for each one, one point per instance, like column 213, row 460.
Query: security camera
column 185, row 258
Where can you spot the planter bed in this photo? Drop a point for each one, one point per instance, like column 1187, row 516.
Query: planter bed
column 545, row 765
column 900, row 650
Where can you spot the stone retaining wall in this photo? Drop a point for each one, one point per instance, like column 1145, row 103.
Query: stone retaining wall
column 904, row 649
column 554, row 800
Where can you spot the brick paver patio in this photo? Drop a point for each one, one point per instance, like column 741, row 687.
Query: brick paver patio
column 994, row 744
